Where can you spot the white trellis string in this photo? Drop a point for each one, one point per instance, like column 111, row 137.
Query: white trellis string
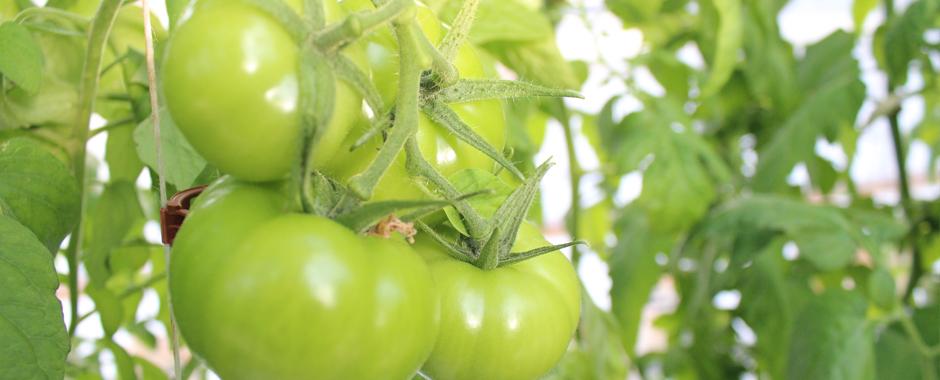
column 155, row 119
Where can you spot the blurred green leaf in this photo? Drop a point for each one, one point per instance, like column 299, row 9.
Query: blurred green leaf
column 896, row 356
column 594, row 226
column 108, row 307
column 121, row 155
column 903, row 38
column 633, row 12
column 20, row 57
column 860, row 11
column 830, row 78
column 680, row 169
column 881, row 289
column 111, row 220
column 729, row 36
column 182, row 163
column 832, row 340
column 824, row 235
column 35, row 342
column 123, row 360
column 634, row 271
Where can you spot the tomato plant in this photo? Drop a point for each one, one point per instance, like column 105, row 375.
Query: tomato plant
column 757, row 198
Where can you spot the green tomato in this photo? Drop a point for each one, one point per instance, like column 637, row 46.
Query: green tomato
column 230, row 79
column 512, row 322
column 439, row 146
column 263, row 294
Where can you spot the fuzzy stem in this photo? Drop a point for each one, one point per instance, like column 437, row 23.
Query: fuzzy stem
column 412, row 62
column 477, row 226
column 357, row 24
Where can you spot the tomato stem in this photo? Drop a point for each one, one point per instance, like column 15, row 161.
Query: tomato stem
column 477, row 226
column 356, row 25
column 412, row 62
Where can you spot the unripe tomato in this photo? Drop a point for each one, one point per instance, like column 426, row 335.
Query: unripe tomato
column 263, row 294
column 230, row 80
column 512, row 322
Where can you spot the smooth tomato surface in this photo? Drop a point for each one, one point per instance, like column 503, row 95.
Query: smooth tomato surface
column 513, row 322
column 260, row 294
column 230, row 79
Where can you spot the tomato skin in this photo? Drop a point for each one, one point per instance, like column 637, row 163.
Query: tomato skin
column 439, row 146
column 230, row 79
column 513, row 322
column 274, row 295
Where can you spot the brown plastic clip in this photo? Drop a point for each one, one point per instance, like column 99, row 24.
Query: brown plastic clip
column 172, row 216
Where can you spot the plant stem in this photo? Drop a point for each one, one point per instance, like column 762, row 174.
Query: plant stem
column 97, row 38
column 412, row 62
column 357, row 24
column 574, row 171
column 111, row 126
column 417, row 165
column 907, row 203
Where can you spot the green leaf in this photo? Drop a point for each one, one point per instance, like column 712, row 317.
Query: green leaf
column 767, row 306
column 824, row 235
column 860, row 11
column 594, row 224
column 35, row 342
column 20, row 57
column 896, row 356
column 472, row 180
column 634, row 271
column 121, row 155
column 904, row 38
column 832, row 340
column 671, row 73
column 123, row 360
column 111, row 219
column 39, row 190
column 182, row 164
column 53, row 105
column 881, row 289
column 729, row 38
column 109, row 308
column 174, row 10
column 150, row 371
column 829, row 77
column 633, row 12
column 679, row 168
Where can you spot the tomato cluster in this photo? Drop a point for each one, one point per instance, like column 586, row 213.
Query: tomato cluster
column 261, row 290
